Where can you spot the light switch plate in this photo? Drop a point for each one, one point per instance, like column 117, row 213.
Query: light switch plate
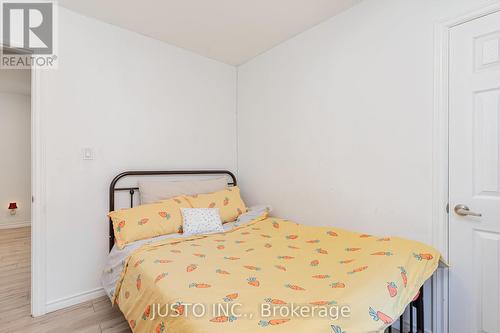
column 88, row 154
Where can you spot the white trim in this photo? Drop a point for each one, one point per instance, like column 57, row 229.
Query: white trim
column 14, row 225
column 440, row 160
column 38, row 227
column 74, row 299
column 237, row 123
column 440, row 175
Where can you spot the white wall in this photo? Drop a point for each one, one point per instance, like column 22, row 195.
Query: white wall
column 15, row 81
column 15, row 147
column 141, row 104
column 335, row 125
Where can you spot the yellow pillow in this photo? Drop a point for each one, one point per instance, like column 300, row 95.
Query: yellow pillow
column 228, row 201
column 147, row 221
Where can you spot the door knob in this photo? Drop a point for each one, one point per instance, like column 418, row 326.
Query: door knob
column 463, row 210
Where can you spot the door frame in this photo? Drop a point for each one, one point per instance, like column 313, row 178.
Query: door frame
column 38, row 206
column 440, row 160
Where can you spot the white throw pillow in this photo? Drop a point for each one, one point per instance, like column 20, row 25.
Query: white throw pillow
column 201, row 221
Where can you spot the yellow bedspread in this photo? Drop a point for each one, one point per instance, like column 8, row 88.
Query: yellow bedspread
column 237, row 278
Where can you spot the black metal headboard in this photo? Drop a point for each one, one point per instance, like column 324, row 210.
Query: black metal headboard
column 113, row 189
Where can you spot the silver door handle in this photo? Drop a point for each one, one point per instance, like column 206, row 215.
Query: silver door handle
column 463, row 210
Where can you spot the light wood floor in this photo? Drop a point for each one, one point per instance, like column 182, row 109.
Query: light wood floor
column 91, row 317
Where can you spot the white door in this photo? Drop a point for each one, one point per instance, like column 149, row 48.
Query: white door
column 475, row 176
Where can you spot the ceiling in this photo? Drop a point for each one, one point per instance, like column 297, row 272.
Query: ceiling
column 231, row 31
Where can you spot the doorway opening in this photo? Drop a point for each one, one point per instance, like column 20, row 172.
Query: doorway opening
column 15, row 192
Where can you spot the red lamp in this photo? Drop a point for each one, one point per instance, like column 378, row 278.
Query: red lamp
column 12, row 208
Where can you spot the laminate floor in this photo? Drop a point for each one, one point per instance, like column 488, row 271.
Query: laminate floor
column 95, row 316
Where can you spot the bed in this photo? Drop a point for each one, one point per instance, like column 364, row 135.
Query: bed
column 266, row 273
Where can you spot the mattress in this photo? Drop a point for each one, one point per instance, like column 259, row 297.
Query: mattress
column 272, row 275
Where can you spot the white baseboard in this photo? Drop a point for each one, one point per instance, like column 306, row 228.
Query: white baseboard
column 13, row 225
column 74, row 300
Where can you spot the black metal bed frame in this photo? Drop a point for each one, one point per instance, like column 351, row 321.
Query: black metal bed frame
column 113, row 189
column 417, row 304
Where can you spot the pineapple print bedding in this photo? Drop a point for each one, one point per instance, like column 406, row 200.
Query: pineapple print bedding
column 273, row 275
